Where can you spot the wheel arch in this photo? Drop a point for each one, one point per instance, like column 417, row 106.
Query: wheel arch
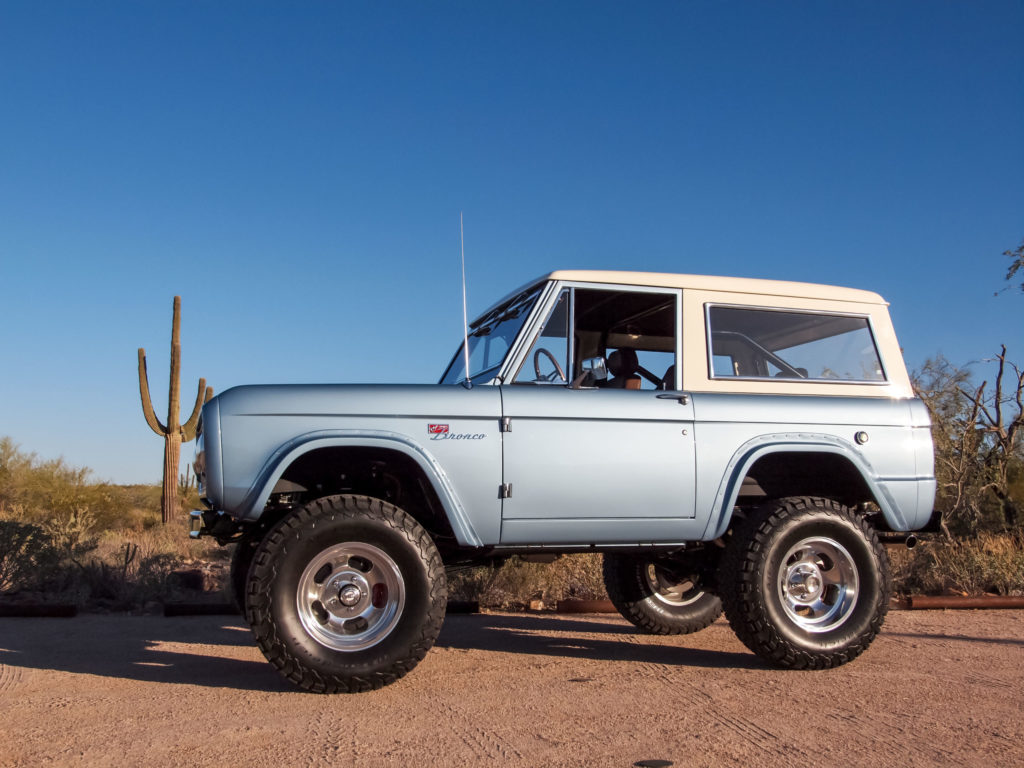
column 811, row 462
column 328, row 447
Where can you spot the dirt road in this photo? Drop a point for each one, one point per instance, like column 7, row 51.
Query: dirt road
column 530, row 690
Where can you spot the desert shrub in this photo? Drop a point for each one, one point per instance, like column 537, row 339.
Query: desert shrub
column 26, row 555
column 130, row 568
column 990, row 563
column 91, row 543
column 72, row 533
column 167, row 540
column 36, row 491
column 128, row 580
column 516, row 582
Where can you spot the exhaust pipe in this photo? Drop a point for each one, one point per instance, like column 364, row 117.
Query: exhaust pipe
column 909, row 540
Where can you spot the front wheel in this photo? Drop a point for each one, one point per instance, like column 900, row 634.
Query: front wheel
column 805, row 583
column 346, row 594
column 663, row 596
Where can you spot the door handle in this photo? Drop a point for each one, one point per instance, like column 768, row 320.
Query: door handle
column 681, row 399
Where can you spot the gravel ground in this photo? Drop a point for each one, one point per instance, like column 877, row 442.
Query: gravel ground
column 531, row 690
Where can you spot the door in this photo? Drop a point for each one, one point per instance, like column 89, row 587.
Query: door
column 599, row 460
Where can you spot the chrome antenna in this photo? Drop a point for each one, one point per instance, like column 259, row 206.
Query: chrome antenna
column 465, row 319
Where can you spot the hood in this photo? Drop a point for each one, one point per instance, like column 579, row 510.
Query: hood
column 370, row 400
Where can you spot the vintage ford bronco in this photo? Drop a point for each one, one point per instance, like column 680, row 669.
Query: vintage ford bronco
column 723, row 442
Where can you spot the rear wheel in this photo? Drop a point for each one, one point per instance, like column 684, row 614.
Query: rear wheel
column 346, row 594
column 806, row 583
column 662, row 596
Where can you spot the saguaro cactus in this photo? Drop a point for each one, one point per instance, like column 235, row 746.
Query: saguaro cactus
column 174, row 433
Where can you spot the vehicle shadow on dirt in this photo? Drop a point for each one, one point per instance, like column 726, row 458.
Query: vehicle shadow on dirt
column 958, row 638
column 135, row 650
column 204, row 651
column 568, row 638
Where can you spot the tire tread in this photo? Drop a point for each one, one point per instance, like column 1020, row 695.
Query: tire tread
column 263, row 572
column 622, row 582
column 741, row 589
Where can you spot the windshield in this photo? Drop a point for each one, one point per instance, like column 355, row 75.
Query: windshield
column 491, row 337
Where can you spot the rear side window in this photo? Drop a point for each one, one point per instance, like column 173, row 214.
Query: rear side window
column 754, row 343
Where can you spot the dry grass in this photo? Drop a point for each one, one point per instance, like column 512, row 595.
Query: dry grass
column 65, row 539
column 988, row 564
column 67, row 560
column 516, row 583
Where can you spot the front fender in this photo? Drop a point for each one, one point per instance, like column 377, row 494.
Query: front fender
column 256, row 499
column 752, row 450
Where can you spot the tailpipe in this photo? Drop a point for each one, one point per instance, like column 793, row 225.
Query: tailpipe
column 909, row 540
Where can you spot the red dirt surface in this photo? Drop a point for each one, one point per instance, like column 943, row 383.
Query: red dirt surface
column 526, row 689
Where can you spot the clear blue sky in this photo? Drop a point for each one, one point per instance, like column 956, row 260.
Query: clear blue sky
column 296, row 171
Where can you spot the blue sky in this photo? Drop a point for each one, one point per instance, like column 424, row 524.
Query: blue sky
column 296, row 171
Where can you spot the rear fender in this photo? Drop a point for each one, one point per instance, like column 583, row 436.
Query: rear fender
column 748, row 454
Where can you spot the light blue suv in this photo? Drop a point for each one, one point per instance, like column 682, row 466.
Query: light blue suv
column 722, row 441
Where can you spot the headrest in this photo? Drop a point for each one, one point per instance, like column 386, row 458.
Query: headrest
column 623, row 362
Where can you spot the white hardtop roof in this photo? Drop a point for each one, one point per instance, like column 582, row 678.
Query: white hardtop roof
column 710, row 283
column 699, row 283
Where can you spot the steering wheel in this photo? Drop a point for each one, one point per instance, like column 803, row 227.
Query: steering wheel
column 558, row 373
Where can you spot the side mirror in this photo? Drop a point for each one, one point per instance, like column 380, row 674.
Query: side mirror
column 596, row 367
column 592, row 370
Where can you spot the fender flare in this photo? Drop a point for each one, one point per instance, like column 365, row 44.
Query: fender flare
column 256, row 499
column 752, row 450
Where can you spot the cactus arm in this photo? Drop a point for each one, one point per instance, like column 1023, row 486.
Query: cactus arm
column 147, row 403
column 188, row 429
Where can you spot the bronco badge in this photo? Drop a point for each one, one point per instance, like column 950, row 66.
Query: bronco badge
column 441, row 432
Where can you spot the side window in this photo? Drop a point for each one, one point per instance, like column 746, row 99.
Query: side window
column 635, row 331
column 723, row 365
column 548, row 359
column 768, row 343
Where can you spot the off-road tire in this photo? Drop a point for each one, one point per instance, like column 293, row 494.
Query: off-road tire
column 310, row 535
column 760, row 586
column 628, row 583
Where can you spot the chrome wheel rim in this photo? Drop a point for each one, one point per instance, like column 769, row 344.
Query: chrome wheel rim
column 818, row 584
column 350, row 596
column 668, row 590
